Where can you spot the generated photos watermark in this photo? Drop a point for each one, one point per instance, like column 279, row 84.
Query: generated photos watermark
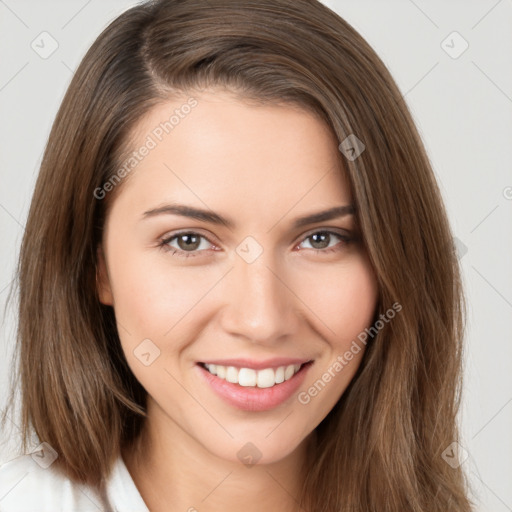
column 152, row 140
column 304, row 397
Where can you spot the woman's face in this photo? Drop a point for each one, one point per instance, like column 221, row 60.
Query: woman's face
column 257, row 297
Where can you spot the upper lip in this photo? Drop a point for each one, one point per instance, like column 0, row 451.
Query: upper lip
column 257, row 365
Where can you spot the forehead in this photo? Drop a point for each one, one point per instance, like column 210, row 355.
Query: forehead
column 218, row 150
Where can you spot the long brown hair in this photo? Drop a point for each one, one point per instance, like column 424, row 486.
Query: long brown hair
column 381, row 446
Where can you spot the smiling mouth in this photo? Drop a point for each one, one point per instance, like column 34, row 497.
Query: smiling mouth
column 249, row 377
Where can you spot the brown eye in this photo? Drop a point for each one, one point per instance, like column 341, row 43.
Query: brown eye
column 188, row 242
column 185, row 244
column 326, row 241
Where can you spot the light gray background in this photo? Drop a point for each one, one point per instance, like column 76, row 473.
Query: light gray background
column 462, row 107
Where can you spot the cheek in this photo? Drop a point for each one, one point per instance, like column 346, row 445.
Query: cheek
column 155, row 301
column 346, row 306
column 152, row 296
column 343, row 297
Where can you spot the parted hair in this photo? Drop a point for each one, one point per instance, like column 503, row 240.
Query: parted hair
column 380, row 448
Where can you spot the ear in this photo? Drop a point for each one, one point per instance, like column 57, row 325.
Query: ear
column 102, row 280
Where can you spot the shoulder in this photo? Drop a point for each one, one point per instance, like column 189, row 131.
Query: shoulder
column 29, row 484
column 26, row 485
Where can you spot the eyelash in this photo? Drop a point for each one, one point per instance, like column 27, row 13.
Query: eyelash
column 164, row 243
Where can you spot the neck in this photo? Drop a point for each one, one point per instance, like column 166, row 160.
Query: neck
column 172, row 471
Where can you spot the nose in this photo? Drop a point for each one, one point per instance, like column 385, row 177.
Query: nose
column 259, row 303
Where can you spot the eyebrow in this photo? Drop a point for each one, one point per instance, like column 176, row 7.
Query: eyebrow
column 215, row 218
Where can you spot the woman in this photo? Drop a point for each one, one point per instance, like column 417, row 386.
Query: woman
column 237, row 277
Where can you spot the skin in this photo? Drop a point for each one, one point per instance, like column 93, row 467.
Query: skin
column 261, row 166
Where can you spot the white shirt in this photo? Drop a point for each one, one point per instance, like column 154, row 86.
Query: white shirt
column 25, row 486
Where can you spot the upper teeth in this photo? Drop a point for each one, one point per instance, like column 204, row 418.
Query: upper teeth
column 265, row 378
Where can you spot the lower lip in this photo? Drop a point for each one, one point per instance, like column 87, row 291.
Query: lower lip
column 254, row 398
